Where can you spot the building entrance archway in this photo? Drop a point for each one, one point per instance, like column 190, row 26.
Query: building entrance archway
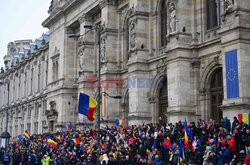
column 163, row 100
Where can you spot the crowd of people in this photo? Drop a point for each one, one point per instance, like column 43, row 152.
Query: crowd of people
column 165, row 143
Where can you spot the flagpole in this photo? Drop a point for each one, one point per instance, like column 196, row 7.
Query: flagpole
column 99, row 92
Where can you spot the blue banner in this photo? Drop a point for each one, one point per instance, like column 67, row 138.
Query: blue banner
column 232, row 74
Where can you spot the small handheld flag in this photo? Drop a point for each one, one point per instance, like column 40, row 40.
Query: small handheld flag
column 103, row 121
column 26, row 135
column 52, row 142
column 76, row 140
column 186, row 139
column 119, row 122
column 160, row 118
column 67, row 127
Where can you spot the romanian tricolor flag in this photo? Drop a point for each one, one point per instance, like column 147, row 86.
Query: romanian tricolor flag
column 26, row 135
column 87, row 106
column 35, row 145
column 160, row 118
column 181, row 153
column 245, row 118
column 103, row 121
column 62, row 132
column 67, row 127
column 120, row 122
column 147, row 151
column 186, row 139
column 58, row 138
column 159, row 133
column 203, row 124
column 52, row 142
column 103, row 102
column 76, row 140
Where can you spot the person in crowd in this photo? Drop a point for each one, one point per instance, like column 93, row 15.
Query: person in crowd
column 6, row 158
column 45, row 160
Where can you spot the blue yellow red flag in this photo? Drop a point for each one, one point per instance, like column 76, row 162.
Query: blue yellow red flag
column 26, row 135
column 87, row 106
column 186, row 133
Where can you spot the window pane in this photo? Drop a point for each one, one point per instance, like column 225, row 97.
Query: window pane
column 214, row 100
column 213, row 13
column 217, row 5
column 220, row 83
column 220, row 99
column 214, row 82
column 209, row 14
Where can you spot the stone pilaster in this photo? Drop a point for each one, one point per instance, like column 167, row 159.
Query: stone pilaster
column 181, row 102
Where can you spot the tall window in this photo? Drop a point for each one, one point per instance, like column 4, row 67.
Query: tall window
column 22, row 128
column 163, row 23
column 213, row 13
column 35, row 126
column 28, row 127
column 216, row 91
column 31, row 80
column 38, row 77
column 46, row 72
column 55, row 70
column 25, row 86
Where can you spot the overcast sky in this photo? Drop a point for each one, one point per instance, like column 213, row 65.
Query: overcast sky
column 21, row 19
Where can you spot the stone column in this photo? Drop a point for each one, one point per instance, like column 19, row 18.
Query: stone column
column 40, row 110
column 109, row 58
column 234, row 32
column 86, row 62
column 138, row 48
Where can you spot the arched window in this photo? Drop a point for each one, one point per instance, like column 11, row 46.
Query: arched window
column 163, row 98
column 163, row 23
column 216, row 91
column 213, row 13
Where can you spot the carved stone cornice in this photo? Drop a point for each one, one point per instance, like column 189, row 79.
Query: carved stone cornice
column 85, row 17
column 104, row 3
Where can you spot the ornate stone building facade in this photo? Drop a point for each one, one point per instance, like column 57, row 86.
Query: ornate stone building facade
column 26, row 69
column 180, row 44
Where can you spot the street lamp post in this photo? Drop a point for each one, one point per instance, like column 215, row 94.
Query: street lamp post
column 5, row 135
column 98, row 29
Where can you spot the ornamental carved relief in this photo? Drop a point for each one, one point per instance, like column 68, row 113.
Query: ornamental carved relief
column 103, row 50
column 132, row 36
column 228, row 5
column 161, row 66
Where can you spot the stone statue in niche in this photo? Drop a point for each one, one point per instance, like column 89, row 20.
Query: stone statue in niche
column 103, row 49
column 228, row 4
column 172, row 19
column 81, row 60
column 132, row 38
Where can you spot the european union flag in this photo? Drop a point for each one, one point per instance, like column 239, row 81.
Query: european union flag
column 232, row 74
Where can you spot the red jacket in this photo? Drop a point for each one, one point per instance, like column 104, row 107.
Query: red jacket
column 231, row 143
